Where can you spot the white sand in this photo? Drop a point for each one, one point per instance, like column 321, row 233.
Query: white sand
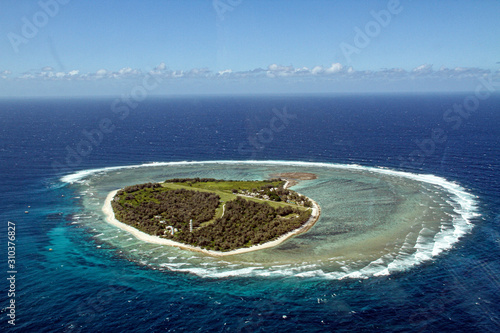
column 110, row 218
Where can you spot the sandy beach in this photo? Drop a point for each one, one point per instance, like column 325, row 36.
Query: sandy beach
column 110, row 218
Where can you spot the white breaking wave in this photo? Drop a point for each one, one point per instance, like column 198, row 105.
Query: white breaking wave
column 428, row 245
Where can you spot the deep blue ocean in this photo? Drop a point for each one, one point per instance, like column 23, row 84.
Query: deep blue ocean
column 84, row 286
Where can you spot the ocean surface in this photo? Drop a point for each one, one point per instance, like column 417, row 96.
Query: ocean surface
column 408, row 240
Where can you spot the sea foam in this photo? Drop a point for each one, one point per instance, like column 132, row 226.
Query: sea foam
column 427, row 247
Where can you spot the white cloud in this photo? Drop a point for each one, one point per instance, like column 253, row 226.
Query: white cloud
column 4, row 74
column 320, row 70
column 279, row 68
column 317, row 70
column 273, row 67
column 426, row 68
column 225, row 72
column 127, row 71
column 101, row 72
column 161, row 67
column 177, row 74
column 275, row 70
column 335, row 68
column 319, row 73
column 199, row 72
column 27, row 76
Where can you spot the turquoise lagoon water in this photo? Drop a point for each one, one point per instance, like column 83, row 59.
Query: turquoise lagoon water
column 373, row 221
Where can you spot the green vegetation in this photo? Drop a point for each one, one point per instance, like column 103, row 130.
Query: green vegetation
column 213, row 214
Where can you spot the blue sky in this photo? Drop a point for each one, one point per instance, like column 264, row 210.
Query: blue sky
column 69, row 47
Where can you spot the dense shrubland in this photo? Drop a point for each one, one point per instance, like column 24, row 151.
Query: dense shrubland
column 244, row 224
column 151, row 208
column 156, row 208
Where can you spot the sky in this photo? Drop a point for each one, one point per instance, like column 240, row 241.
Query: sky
column 179, row 47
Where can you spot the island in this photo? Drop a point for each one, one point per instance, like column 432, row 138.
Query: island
column 213, row 216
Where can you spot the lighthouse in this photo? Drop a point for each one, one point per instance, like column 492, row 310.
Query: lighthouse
column 191, row 225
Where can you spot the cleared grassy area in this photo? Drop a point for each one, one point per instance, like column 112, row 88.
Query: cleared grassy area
column 239, row 185
column 224, row 190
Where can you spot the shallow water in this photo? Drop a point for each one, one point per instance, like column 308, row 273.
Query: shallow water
column 87, row 284
column 373, row 221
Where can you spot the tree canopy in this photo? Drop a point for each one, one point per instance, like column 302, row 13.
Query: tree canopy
column 152, row 207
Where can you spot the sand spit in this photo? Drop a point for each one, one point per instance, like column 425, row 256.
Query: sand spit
column 293, row 178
